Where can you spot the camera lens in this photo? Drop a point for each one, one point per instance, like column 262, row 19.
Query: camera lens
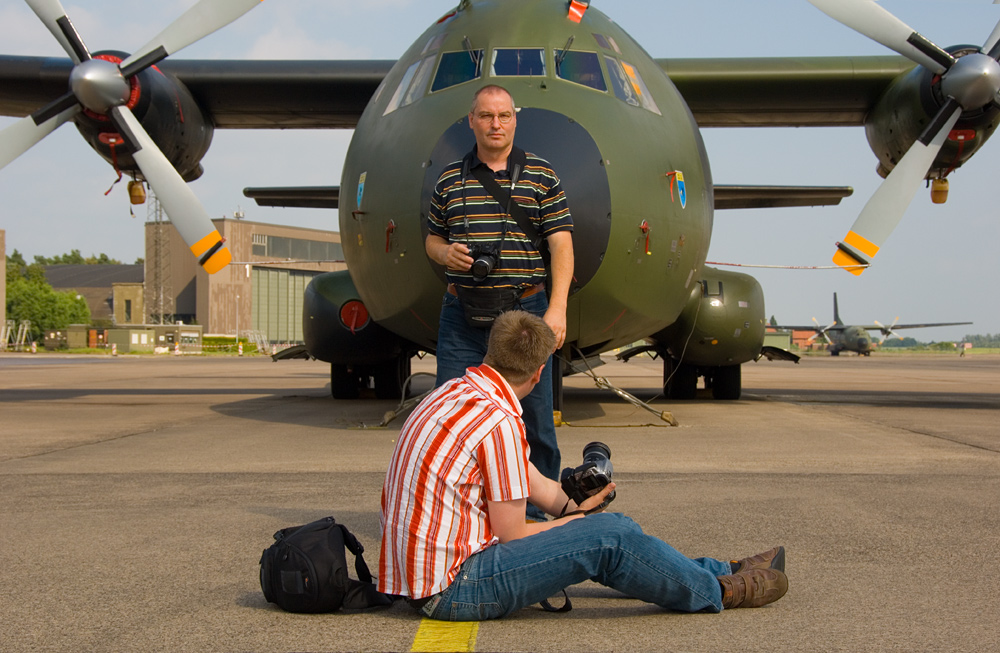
column 481, row 268
column 596, row 452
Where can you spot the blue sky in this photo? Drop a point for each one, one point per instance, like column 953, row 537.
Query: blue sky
column 941, row 263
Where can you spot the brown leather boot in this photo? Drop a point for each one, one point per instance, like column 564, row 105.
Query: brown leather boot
column 753, row 588
column 773, row 559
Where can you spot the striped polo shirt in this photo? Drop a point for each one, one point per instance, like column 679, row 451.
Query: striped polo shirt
column 462, row 445
column 537, row 191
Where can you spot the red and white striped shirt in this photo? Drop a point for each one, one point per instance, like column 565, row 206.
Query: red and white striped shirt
column 463, row 445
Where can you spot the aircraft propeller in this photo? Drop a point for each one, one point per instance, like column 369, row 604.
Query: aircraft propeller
column 969, row 82
column 103, row 87
column 887, row 330
column 822, row 331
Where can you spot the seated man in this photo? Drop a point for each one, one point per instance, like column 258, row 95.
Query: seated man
column 454, row 537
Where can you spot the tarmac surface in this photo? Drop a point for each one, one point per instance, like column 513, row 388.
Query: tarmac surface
column 138, row 493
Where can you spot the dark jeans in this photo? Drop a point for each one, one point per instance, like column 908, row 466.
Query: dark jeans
column 461, row 346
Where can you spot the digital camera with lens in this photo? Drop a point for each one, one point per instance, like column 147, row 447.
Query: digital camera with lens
column 591, row 477
column 484, row 259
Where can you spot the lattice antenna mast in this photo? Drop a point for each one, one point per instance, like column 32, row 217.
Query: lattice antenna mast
column 159, row 293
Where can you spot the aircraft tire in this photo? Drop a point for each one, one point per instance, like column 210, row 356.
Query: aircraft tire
column 683, row 384
column 390, row 377
column 727, row 382
column 344, row 382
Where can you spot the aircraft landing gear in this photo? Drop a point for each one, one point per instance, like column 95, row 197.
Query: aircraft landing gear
column 680, row 380
column 726, row 382
column 348, row 381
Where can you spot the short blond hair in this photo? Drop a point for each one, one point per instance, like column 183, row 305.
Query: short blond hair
column 519, row 344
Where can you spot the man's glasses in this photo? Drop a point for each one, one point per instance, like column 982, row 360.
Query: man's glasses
column 487, row 118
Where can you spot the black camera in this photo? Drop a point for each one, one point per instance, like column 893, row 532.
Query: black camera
column 484, row 259
column 591, row 477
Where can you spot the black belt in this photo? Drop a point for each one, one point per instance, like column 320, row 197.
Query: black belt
column 528, row 292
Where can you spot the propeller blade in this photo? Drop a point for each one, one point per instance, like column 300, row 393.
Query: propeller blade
column 18, row 138
column 195, row 24
column 868, row 18
column 993, row 42
column 54, row 17
column 886, row 207
column 178, row 200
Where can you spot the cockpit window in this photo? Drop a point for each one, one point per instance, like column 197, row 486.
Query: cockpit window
column 412, row 86
column 580, row 68
column 628, row 84
column 458, row 67
column 606, row 42
column 521, row 62
column 434, row 43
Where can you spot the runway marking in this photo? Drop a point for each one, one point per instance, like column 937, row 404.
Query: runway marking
column 433, row 635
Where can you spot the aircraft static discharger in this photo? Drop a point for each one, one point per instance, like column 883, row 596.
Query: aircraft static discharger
column 854, row 337
column 620, row 128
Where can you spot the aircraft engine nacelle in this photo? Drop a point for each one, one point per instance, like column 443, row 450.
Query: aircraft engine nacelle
column 337, row 327
column 908, row 106
column 169, row 114
column 362, row 354
column 721, row 324
column 721, row 327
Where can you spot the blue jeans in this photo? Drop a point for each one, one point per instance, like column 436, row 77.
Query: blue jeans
column 461, row 346
column 608, row 548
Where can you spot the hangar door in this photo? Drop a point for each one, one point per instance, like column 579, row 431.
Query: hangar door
column 277, row 303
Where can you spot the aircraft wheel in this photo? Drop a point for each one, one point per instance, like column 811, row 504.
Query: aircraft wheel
column 727, row 382
column 683, row 384
column 344, row 382
column 835, row 353
column 390, row 377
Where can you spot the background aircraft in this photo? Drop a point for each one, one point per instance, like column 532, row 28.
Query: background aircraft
column 658, row 304
column 855, row 337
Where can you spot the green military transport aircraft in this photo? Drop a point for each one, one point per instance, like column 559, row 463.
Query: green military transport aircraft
column 620, row 128
column 855, row 337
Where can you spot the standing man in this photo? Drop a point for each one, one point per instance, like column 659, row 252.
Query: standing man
column 493, row 261
column 454, row 539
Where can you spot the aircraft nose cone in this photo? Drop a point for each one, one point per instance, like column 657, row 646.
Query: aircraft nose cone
column 99, row 85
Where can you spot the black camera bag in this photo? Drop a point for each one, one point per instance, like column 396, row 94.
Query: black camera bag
column 305, row 570
column 483, row 305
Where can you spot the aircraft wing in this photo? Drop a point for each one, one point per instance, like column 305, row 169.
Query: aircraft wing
column 237, row 94
column 288, row 94
column 807, row 327
column 783, row 91
column 894, row 327
column 726, row 197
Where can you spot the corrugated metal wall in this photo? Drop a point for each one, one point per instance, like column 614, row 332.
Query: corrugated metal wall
column 277, row 303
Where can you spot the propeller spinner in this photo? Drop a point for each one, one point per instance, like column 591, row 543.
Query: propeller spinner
column 104, row 88
column 969, row 82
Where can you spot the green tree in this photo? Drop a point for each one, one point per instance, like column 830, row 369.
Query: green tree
column 30, row 297
column 76, row 258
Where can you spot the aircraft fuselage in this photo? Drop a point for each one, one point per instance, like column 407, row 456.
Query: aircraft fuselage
column 621, row 138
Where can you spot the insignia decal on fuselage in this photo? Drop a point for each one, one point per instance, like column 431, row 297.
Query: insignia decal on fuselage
column 361, row 188
column 678, row 176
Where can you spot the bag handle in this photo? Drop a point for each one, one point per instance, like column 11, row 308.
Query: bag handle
column 355, row 547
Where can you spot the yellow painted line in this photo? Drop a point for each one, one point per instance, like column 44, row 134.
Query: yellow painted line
column 433, row 635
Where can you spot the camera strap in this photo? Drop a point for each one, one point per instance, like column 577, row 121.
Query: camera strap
column 548, row 607
column 518, row 159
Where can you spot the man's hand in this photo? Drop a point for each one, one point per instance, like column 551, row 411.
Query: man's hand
column 555, row 317
column 597, row 499
column 454, row 256
column 561, row 249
